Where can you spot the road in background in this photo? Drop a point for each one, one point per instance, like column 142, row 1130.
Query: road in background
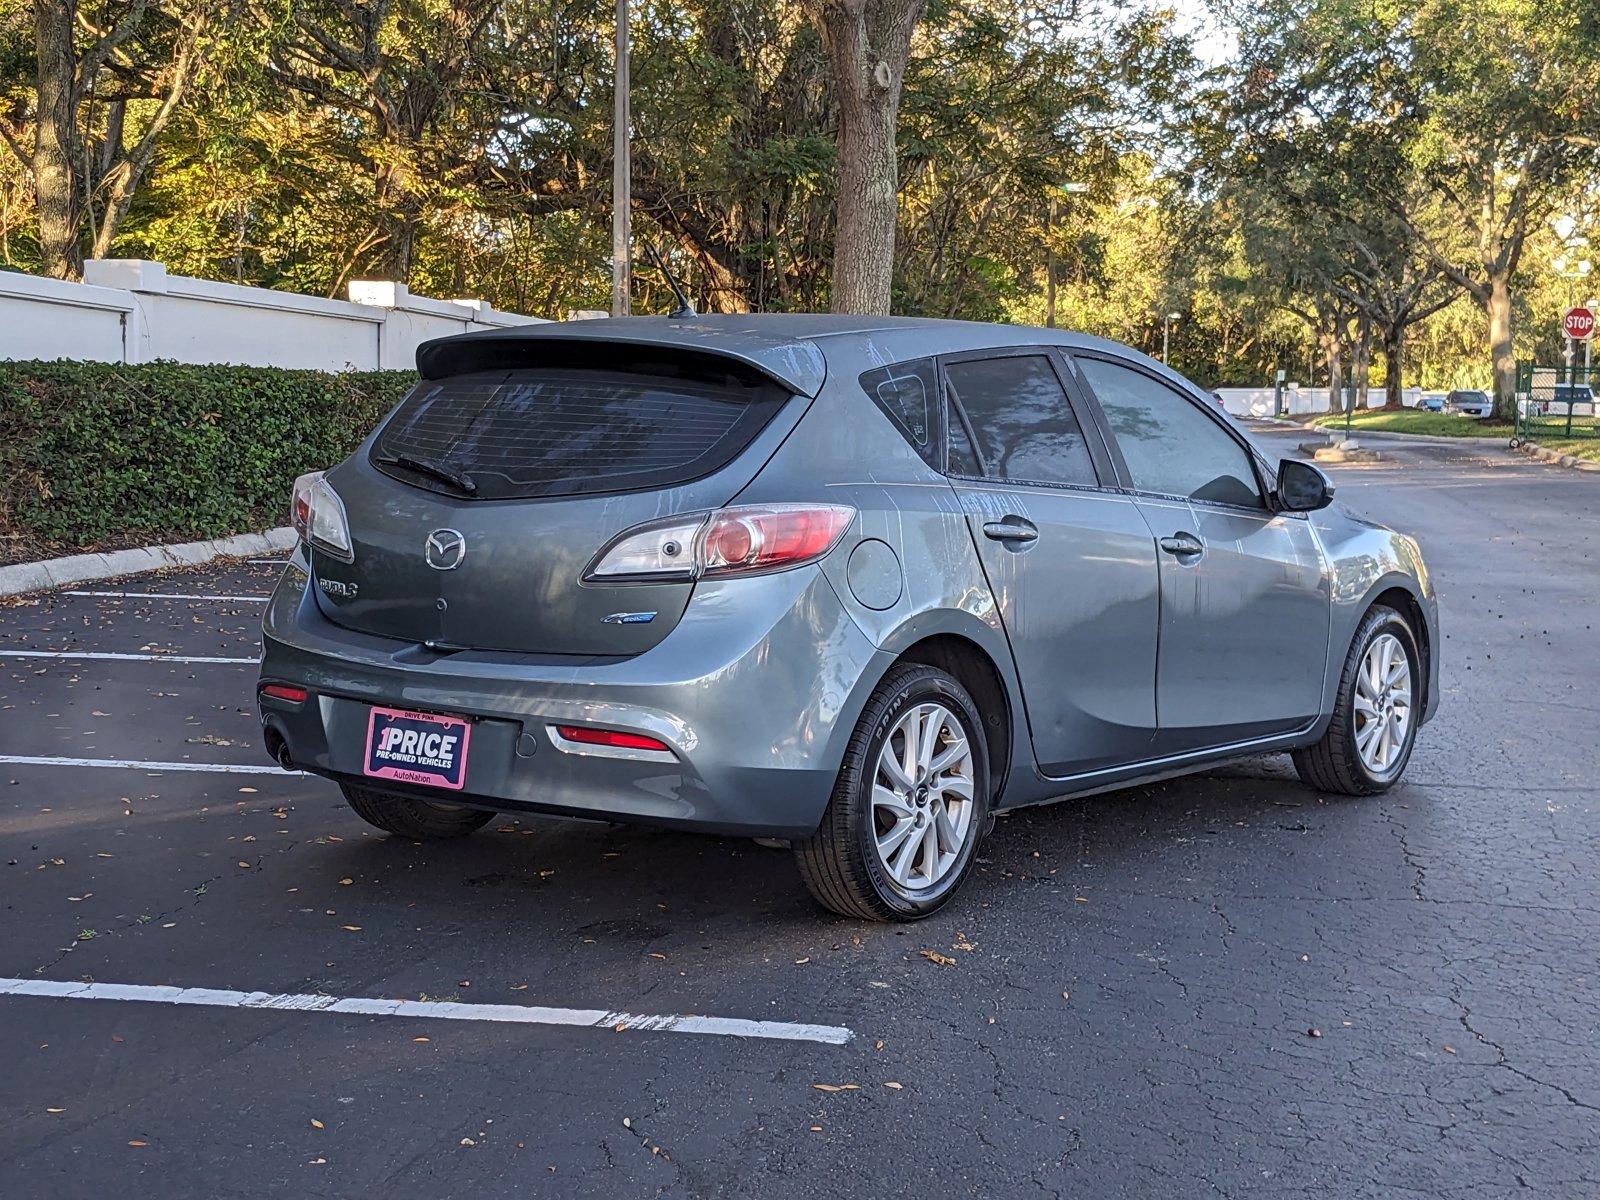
column 1218, row 985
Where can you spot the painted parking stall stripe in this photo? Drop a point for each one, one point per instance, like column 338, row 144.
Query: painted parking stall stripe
column 436, row 1010
column 137, row 764
column 169, row 596
column 107, row 655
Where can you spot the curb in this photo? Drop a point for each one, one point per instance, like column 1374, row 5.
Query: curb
column 1336, row 453
column 1335, row 432
column 1555, row 458
column 1531, row 449
column 1465, row 439
column 22, row 578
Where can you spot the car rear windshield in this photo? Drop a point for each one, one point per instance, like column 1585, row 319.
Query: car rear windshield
column 499, row 435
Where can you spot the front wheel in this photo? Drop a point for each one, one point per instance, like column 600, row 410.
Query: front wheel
column 420, row 819
column 1374, row 727
column 910, row 805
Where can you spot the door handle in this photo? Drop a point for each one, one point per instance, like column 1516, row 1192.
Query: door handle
column 1183, row 546
column 1011, row 529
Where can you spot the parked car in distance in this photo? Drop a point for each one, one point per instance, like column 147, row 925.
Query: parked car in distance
column 854, row 582
column 1432, row 402
column 1563, row 394
column 1469, row 402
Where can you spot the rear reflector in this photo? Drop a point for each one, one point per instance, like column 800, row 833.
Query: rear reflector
column 614, row 738
column 283, row 691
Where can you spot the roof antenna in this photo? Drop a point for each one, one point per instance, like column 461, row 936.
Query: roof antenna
column 684, row 309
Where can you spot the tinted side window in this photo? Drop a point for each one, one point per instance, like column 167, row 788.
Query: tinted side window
column 1025, row 428
column 1170, row 446
column 908, row 393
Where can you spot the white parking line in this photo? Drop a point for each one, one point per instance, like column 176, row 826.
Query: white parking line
column 168, row 596
column 515, row 1014
column 106, row 654
column 137, row 764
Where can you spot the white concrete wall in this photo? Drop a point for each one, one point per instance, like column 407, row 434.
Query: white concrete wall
column 46, row 318
column 131, row 310
column 1258, row 401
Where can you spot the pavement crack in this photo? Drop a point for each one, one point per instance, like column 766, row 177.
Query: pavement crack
column 1501, row 1060
column 1420, row 872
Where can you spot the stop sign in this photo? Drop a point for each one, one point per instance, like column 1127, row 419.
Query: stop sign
column 1579, row 324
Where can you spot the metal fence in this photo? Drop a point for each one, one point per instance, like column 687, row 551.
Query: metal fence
column 1556, row 402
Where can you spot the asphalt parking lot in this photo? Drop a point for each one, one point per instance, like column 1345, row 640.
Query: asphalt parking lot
column 1221, row 985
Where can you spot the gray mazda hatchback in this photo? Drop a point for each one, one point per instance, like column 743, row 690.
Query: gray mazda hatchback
column 854, row 582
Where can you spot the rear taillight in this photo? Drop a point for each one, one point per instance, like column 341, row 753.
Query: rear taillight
column 661, row 549
column 300, row 507
column 748, row 539
column 739, row 541
column 317, row 514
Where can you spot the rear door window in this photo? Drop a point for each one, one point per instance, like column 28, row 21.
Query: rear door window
column 553, row 432
column 1026, row 431
column 962, row 458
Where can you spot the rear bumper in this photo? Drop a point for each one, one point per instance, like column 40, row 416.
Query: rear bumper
column 756, row 691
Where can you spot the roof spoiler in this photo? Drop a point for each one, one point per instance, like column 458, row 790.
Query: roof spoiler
column 796, row 365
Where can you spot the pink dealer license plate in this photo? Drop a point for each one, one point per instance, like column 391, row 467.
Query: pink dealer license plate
column 417, row 747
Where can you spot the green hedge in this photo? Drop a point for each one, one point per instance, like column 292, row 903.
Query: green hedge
column 163, row 451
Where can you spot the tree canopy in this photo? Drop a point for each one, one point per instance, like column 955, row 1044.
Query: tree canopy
column 1379, row 187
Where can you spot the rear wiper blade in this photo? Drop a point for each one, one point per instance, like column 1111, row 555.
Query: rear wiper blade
column 457, row 479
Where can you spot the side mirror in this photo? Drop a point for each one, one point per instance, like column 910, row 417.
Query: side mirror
column 1302, row 487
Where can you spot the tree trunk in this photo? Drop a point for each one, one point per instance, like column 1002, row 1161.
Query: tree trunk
column 401, row 252
column 125, row 169
column 1360, row 371
column 400, row 212
column 398, row 252
column 1501, row 353
column 863, row 262
column 868, row 42
column 1394, row 350
column 1331, row 353
column 54, row 178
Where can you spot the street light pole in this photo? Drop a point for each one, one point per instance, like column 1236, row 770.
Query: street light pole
column 1166, row 334
column 1579, row 270
column 621, row 174
column 1050, row 265
column 1588, row 346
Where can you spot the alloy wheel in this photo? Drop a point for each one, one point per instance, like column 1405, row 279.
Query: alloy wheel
column 922, row 796
column 1383, row 704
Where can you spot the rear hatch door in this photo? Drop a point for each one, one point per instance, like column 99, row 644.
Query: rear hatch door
column 477, row 507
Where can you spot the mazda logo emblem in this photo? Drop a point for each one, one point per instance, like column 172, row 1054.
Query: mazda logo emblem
column 444, row 549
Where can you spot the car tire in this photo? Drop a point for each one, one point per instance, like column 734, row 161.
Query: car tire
column 411, row 818
column 1343, row 760
column 844, row 863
